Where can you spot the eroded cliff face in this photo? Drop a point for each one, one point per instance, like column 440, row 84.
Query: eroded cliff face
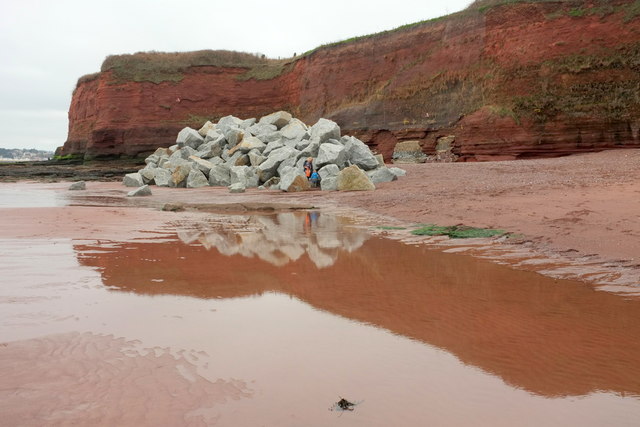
column 512, row 81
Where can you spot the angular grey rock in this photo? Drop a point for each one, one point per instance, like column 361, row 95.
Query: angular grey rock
column 163, row 160
column 262, row 129
column 229, row 121
column 148, row 175
column 206, row 128
column 179, row 175
column 289, row 163
column 145, row 190
column 250, row 143
column 216, row 161
column 202, row 165
column 190, row 138
column 358, row 153
column 301, row 145
column 246, row 124
column 271, row 182
column 324, row 130
column 256, row 159
column 243, row 161
column 237, row 188
column 299, row 183
column 329, row 183
column 268, row 168
column 311, row 150
column 398, row 171
column 270, row 137
column 331, row 153
column 382, row 174
column 233, row 136
column 290, row 143
column 380, row 159
column 246, row 175
column 196, row 179
column 408, row 152
column 328, row 171
column 152, row 159
column 162, row 177
column 219, row 175
column 162, row 152
column 133, row 180
column 79, row 185
column 182, row 153
column 295, row 130
column 213, row 135
column 287, row 177
column 273, row 145
column 211, row 149
column 231, row 160
column 354, row 179
column 280, row 119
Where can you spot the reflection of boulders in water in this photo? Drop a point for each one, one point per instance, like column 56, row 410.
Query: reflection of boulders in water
column 280, row 238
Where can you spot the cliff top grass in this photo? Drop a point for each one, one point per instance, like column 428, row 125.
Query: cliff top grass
column 159, row 67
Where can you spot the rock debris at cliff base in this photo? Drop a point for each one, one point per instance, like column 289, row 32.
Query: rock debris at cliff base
column 266, row 153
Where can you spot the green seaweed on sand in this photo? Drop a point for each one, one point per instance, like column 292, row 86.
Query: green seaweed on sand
column 456, row 231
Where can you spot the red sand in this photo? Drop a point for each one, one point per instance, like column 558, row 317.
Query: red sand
column 580, row 210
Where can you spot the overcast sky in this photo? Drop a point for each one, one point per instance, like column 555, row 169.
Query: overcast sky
column 45, row 45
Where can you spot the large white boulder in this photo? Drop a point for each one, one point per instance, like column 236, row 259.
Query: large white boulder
column 145, row 190
column 249, row 143
column 353, row 178
column 206, row 128
column 219, row 175
column 325, row 130
column 328, row 171
column 279, row 119
column 133, row 180
column 295, row 130
column 382, row 174
column 179, row 175
column 268, row 168
column 189, row 137
column 162, row 177
column 196, row 179
column 358, row 153
column 331, row 153
column 246, row 175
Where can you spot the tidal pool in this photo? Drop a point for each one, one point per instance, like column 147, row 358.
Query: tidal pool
column 271, row 319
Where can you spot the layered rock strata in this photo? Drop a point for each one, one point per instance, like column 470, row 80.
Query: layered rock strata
column 513, row 80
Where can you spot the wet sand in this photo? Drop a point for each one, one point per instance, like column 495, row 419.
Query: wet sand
column 114, row 312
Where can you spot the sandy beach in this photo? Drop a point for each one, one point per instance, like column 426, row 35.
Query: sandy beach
column 136, row 315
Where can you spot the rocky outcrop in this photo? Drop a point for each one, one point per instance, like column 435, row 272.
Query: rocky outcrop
column 250, row 155
column 513, row 80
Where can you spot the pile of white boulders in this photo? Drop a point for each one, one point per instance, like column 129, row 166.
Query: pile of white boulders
column 265, row 153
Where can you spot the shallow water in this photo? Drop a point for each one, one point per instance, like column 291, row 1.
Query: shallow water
column 270, row 319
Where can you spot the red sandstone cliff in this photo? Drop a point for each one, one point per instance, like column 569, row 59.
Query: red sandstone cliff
column 509, row 81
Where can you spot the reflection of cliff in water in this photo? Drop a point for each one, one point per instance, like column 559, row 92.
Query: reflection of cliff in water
column 280, row 238
column 553, row 338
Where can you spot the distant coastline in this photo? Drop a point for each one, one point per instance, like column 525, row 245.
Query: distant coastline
column 24, row 155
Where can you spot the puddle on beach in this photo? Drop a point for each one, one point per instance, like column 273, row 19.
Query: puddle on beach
column 271, row 319
column 26, row 196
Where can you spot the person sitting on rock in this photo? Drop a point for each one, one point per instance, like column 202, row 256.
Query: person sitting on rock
column 308, row 167
column 314, row 179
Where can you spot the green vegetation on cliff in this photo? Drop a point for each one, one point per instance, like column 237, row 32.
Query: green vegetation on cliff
column 157, row 67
